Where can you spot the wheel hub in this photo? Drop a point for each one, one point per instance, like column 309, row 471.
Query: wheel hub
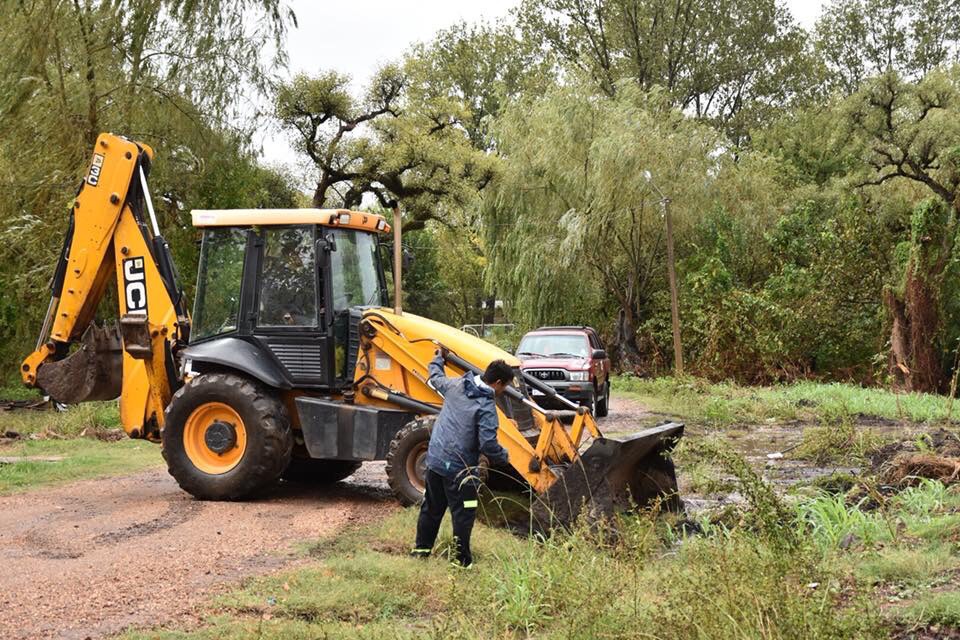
column 220, row 436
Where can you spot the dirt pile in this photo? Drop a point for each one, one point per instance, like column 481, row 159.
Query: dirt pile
column 934, row 455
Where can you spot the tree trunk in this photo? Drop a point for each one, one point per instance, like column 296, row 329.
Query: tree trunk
column 626, row 350
column 914, row 356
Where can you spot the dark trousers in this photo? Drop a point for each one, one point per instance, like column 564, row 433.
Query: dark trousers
column 461, row 498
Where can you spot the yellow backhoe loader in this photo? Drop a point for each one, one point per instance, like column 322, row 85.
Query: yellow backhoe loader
column 292, row 363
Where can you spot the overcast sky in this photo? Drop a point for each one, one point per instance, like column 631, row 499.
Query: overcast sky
column 358, row 36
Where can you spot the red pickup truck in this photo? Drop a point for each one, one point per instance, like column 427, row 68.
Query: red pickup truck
column 573, row 361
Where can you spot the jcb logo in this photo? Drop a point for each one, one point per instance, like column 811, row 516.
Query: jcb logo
column 93, row 176
column 135, row 285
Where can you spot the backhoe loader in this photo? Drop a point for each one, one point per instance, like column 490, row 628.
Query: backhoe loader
column 292, row 364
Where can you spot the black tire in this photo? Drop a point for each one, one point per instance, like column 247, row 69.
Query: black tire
column 603, row 404
column 317, row 471
column 269, row 442
column 405, row 461
column 590, row 403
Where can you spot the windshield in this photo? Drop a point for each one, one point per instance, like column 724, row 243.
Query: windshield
column 355, row 270
column 557, row 345
column 218, row 282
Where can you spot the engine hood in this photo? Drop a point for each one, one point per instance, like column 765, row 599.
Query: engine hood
column 570, row 364
column 474, row 350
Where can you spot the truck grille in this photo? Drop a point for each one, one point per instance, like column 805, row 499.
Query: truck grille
column 547, row 375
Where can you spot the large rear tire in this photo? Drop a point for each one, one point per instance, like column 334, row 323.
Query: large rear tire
column 225, row 437
column 406, row 461
column 317, row 471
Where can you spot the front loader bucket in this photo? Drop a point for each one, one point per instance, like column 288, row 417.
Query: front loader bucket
column 92, row 372
column 613, row 475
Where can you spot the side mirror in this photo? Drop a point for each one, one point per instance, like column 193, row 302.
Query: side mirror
column 326, row 243
column 407, row 259
column 599, row 354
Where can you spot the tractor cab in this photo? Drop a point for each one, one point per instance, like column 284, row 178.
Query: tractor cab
column 282, row 291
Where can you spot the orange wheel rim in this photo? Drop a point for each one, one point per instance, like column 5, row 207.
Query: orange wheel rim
column 196, row 441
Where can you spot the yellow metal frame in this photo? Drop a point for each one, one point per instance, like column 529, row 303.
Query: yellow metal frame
column 105, row 233
column 395, row 357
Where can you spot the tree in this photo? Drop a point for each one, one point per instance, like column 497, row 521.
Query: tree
column 860, row 39
column 166, row 72
column 911, row 132
column 736, row 63
column 483, row 66
column 387, row 145
column 574, row 231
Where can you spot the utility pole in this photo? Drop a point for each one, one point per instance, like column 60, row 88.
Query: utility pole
column 397, row 261
column 674, row 304
column 672, row 276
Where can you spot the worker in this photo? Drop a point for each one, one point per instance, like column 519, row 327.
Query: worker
column 465, row 429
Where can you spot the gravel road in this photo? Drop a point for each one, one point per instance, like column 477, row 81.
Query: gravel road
column 93, row 557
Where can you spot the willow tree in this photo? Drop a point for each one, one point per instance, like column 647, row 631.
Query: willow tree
column 172, row 73
column 574, row 228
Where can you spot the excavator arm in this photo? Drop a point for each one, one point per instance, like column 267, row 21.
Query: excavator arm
column 113, row 234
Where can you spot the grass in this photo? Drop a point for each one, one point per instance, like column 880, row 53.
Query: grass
column 83, row 458
column 723, row 404
column 69, row 423
column 758, row 579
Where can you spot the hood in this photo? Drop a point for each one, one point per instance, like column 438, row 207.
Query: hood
column 536, row 362
column 477, row 352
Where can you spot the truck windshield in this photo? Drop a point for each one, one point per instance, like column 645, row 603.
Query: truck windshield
column 355, row 270
column 554, row 344
column 218, row 282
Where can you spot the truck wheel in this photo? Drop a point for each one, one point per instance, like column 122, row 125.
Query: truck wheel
column 225, row 437
column 603, row 404
column 407, row 461
column 317, row 471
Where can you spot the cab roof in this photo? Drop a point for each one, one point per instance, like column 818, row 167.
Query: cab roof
column 361, row 220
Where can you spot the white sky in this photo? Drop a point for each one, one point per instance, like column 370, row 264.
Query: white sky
column 358, row 36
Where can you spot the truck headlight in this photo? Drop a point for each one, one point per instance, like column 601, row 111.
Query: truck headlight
column 579, row 376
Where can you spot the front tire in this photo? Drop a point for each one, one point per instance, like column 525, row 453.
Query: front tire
column 225, row 437
column 406, row 461
column 603, row 404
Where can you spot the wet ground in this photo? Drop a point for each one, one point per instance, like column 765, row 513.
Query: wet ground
column 759, row 444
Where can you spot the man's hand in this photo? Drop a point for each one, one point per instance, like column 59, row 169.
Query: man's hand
column 442, row 351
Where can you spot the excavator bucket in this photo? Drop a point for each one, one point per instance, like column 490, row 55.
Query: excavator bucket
column 93, row 372
column 612, row 475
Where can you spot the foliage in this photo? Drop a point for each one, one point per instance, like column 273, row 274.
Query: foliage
column 724, row 404
column 389, row 144
column 706, row 55
column 165, row 72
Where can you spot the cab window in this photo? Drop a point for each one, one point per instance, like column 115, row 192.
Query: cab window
column 219, row 277
column 288, row 278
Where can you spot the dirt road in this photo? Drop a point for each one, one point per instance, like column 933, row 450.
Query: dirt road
column 90, row 558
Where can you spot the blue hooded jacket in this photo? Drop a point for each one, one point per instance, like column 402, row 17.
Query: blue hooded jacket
column 467, row 424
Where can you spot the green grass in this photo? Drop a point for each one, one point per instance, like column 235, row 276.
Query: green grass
column 19, row 392
column 933, row 608
column 723, row 404
column 72, row 422
column 82, row 458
